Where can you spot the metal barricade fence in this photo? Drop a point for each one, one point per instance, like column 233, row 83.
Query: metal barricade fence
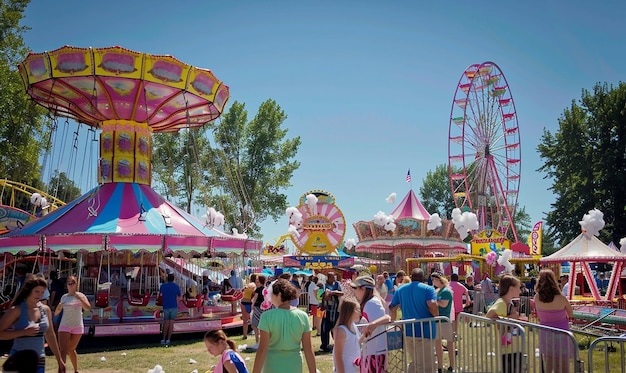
column 490, row 346
column 613, row 357
column 481, row 301
column 550, row 349
column 407, row 346
column 303, row 300
column 505, row 345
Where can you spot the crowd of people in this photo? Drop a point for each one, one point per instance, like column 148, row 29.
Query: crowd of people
column 338, row 305
column 283, row 331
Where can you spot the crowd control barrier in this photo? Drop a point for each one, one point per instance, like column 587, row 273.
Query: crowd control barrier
column 406, row 346
column 613, row 353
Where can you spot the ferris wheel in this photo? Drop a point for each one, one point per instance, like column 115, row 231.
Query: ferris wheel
column 484, row 148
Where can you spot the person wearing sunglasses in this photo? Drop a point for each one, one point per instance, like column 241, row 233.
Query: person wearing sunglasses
column 71, row 327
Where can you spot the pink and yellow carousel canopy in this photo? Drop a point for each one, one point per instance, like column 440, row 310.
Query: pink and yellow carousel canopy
column 93, row 85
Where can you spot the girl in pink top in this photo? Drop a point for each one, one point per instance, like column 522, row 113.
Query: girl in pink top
column 553, row 310
column 71, row 327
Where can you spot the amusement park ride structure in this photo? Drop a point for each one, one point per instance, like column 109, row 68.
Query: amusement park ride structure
column 484, row 153
column 121, row 232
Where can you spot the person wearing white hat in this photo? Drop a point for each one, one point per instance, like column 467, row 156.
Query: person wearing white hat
column 374, row 311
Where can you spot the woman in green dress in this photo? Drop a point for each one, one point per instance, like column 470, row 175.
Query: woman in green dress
column 282, row 331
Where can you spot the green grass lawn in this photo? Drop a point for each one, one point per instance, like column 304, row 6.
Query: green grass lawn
column 173, row 359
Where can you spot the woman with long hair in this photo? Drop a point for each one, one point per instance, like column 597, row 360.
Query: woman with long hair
column 31, row 321
column 71, row 327
column 374, row 311
column 347, row 352
column 554, row 310
column 509, row 289
column 283, row 330
column 444, row 329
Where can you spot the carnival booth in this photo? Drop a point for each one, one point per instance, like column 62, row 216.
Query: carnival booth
column 582, row 253
column 404, row 234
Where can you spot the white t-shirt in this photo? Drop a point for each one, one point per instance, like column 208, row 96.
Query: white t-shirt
column 72, row 311
column 373, row 310
column 313, row 294
column 351, row 351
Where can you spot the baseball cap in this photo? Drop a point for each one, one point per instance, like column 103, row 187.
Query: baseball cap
column 366, row 281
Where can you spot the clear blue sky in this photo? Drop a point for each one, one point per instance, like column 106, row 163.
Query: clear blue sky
column 368, row 86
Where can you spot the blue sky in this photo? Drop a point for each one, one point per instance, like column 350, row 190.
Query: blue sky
column 368, row 86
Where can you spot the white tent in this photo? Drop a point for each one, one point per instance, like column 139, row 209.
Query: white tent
column 582, row 251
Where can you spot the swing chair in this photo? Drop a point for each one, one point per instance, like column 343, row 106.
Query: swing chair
column 103, row 290
column 136, row 297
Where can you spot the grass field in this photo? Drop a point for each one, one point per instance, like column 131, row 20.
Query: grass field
column 122, row 355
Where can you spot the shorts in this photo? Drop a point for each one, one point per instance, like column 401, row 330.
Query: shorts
column 170, row 313
column 247, row 307
column 72, row 329
column 256, row 316
column 314, row 309
column 444, row 331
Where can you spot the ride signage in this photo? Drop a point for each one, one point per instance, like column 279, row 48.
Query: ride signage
column 318, row 262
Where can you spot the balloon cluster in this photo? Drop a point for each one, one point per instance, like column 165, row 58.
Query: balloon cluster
column 434, row 222
column 464, row 222
column 592, row 223
column 386, row 221
column 492, row 258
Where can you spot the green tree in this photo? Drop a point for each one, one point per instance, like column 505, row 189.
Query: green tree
column 586, row 159
column 436, row 196
column 63, row 188
column 237, row 167
column 176, row 164
column 249, row 164
column 435, row 193
column 21, row 120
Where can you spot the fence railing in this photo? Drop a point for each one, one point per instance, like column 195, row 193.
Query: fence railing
column 607, row 346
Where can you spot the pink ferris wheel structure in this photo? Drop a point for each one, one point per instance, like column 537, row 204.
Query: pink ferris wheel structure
column 484, row 152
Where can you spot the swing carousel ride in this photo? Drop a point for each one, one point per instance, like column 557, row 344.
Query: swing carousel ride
column 121, row 232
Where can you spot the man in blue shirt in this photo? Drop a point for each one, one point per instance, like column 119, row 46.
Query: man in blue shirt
column 417, row 300
column 170, row 295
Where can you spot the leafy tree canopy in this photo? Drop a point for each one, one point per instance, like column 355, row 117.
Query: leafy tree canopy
column 236, row 166
column 21, row 120
column 586, row 159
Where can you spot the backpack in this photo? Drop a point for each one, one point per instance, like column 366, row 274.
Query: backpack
column 234, row 358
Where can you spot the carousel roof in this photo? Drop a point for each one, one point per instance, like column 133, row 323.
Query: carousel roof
column 583, row 248
column 121, row 216
column 410, row 207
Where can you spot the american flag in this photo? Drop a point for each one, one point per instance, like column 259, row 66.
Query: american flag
column 408, row 176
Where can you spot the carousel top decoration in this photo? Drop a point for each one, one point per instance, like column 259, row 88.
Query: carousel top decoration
column 95, row 85
column 411, row 228
column 316, row 225
column 127, row 95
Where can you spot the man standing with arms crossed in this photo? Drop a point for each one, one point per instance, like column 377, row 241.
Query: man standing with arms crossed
column 417, row 301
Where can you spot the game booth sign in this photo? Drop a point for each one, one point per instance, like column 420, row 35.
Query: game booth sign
column 317, row 227
column 319, row 262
